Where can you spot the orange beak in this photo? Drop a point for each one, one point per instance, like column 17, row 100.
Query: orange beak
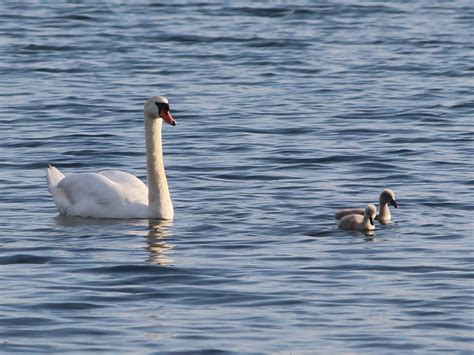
column 166, row 115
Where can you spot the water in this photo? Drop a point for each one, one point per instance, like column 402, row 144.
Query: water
column 285, row 113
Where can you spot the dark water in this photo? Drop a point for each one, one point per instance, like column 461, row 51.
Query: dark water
column 285, row 113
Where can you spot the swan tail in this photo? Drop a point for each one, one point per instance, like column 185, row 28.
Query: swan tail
column 54, row 176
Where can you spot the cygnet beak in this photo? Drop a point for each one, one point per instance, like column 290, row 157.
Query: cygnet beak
column 394, row 203
column 371, row 220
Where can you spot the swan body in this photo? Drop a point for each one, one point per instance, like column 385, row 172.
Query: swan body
column 358, row 222
column 118, row 194
column 386, row 197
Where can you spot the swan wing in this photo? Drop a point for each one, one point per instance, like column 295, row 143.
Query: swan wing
column 352, row 222
column 96, row 195
column 126, row 181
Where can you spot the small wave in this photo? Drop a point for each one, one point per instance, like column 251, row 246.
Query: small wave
column 25, row 259
column 49, row 48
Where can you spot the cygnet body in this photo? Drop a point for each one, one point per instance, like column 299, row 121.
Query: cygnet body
column 360, row 222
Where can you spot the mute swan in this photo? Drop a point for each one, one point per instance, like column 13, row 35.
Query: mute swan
column 386, row 197
column 358, row 222
column 117, row 194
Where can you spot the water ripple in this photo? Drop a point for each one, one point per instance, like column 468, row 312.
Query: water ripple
column 286, row 112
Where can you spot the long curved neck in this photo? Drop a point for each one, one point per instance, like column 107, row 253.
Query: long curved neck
column 159, row 199
column 384, row 213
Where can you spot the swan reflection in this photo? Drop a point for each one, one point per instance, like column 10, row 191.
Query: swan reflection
column 159, row 250
column 158, row 247
column 74, row 221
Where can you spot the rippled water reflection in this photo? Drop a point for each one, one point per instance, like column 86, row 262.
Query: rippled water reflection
column 285, row 113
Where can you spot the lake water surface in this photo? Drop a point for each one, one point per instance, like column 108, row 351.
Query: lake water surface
column 285, row 114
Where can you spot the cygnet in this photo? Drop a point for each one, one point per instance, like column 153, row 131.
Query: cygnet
column 360, row 222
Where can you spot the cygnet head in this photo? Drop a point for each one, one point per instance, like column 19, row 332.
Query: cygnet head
column 371, row 213
column 388, row 196
column 158, row 106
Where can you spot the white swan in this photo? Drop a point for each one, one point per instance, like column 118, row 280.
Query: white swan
column 117, row 194
column 386, row 197
column 358, row 222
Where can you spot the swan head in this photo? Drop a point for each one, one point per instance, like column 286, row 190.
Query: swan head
column 371, row 212
column 388, row 196
column 158, row 107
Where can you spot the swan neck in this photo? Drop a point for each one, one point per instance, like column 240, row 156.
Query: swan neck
column 384, row 213
column 159, row 199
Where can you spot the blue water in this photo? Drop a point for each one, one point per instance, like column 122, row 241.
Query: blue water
column 285, row 114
